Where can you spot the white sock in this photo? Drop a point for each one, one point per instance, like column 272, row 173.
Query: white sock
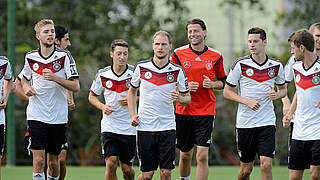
column 38, row 176
column 52, row 178
column 185, row 178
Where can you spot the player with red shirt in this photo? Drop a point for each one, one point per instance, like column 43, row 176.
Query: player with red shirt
column 202, row 65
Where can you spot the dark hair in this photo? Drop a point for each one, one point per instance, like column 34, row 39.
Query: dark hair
column 118, row 42
column 256, row 30
column 197, row 21
column 303, row 37
column 60, row 32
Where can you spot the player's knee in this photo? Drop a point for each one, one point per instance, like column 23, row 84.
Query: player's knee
column 266, row 166
column 202, row 158
column 112, row 163
column 39, row 161
column 314, row 174
column 245, row 171
column 186, row 156
column 166, row 173
column 127, row 171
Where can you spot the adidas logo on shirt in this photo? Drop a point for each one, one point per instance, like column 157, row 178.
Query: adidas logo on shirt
column 198, row 59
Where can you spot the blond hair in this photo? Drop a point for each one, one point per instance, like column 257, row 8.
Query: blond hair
column 163, row 33
column 42, row 23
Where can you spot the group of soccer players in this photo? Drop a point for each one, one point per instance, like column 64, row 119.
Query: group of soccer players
column 167, row 101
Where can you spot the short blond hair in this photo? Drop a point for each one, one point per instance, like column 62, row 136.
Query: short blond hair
column 42, row 23
column 163, row 33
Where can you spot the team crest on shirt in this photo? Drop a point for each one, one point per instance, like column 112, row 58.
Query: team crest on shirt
column 35, row 67
column 249, row 72
column 187, row 64
column 56, row 66
column 128, row 84
column 170, row 78
column 315, row 79
column 209, row 65
column 271, row 73
column 148, row 75
column 109, row 84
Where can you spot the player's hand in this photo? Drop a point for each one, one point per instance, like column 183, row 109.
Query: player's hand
column 318, row 105
column 29, row 91
column 207, row 83
column 3, row 103
column 193, row 86
column 272, row 93
column 135, row 120
column 123, row 101
column 71, row 105
column 47, row 74
column 286, row 120
column 253, row 104
column 174, row 94
column 107, row 109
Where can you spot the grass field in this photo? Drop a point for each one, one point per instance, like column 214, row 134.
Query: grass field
column 93, row 173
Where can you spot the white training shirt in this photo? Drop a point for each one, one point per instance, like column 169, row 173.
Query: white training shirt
column 288, row 69
column 254, row 80
column 50, row 104
column 114, row 87
column 307, row 116
column 5, row 74
column 156, row 110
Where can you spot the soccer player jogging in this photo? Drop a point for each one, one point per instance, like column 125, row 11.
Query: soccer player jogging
column 255, row 124
column 5, row 88
column 62, row 40
column 195, row 122
column 315, row 30
column 117, row 135
column 52, row 70
column 161, row 83
column 305, row 145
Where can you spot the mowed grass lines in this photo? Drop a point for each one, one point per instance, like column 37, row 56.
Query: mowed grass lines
column 97, row 173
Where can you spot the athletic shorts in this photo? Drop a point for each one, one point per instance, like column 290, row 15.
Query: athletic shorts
column 302, row 154
column 27, row 142
column 123, row 146
column 49, row 137
column 290, row 135
column 156, row 148
column 192, row 129
column 251, row 141
column 2, row 135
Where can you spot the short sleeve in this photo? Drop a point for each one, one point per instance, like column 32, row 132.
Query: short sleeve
column 219, row 69
column 135, row 80
column 288, row 69
column 96, row 87
column 280, row 79
column 234, row 75
column 8, row 74
column 27, row 72
column 70, row 67
column 182, row 82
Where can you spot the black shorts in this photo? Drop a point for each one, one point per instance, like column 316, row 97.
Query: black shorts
column 156, row 148
column 192, row 130
column 2, row 135
column 290, row 135
column 65, row 145
column 49, row 137
column 123, row 146
column 302, row 154
column 251, row 141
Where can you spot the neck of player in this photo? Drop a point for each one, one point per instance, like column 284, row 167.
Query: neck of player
column 260, row 57
column 198, row 47
column 119, row 69
column 46, row 51
column 160, row 62
column 317, row 52
column 309, row 59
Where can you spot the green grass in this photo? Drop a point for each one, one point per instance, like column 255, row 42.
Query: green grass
column 93, row 173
